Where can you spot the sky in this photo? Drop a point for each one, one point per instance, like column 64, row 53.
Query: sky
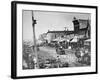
column 47, row 20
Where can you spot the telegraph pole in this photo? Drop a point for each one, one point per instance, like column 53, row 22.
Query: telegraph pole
column 34, row 40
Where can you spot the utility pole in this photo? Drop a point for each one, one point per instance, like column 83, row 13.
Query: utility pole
column 34, row 40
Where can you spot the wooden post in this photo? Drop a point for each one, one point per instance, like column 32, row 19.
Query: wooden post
column 34, row 40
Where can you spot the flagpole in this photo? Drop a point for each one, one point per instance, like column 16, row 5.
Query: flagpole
column 34, row 40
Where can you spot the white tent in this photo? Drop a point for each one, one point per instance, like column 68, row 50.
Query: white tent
column 75, row 39
column 60, row 39
column 55, row 39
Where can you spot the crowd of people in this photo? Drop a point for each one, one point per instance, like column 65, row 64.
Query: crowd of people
column 82, row 52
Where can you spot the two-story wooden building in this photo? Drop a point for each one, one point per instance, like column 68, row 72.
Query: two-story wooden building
column 81, row 30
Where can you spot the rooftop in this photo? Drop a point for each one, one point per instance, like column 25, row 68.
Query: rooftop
column 67, row 32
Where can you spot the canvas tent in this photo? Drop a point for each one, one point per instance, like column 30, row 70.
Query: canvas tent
column 75, row 39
